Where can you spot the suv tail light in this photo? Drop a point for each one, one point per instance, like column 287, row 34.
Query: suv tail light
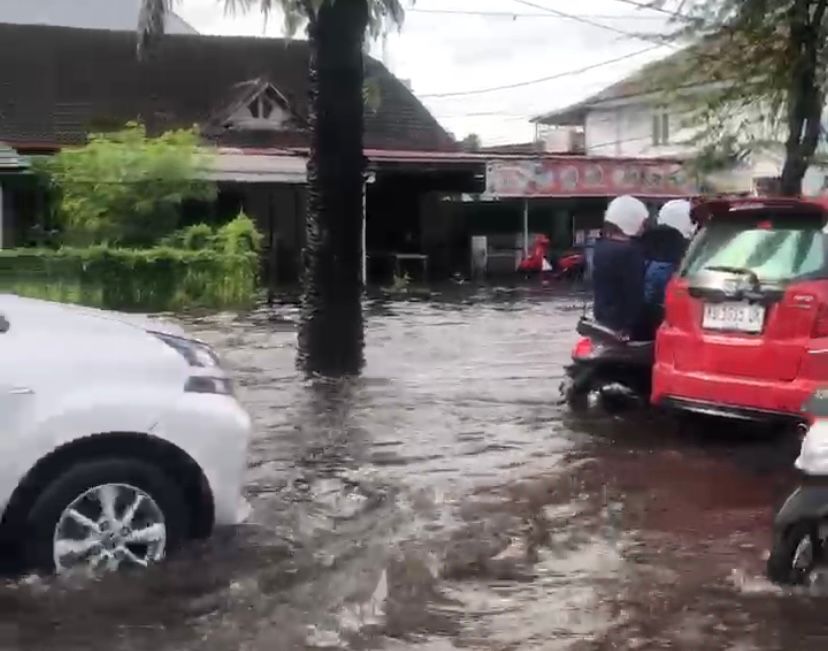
column 821, row 323
column 582, row 349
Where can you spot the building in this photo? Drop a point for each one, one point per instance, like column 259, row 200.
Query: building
column 645, row 115
column 248, row 98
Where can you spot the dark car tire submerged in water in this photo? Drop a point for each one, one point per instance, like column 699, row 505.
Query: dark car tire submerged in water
column 781, row 566
column 83, row 476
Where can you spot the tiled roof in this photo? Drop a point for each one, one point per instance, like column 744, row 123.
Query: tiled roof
column 659, row 76
column 57, row 84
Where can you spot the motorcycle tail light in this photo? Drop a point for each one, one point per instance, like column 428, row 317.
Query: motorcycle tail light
column 582, row 349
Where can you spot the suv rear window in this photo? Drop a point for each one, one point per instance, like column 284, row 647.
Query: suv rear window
column 775, row 249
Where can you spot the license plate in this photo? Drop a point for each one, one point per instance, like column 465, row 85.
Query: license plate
column 740, row 317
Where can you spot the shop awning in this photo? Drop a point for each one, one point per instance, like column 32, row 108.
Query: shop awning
column 587, row 176
column 257, row 166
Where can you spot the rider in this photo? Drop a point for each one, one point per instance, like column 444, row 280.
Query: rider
column 664, row 247
column 618, row 261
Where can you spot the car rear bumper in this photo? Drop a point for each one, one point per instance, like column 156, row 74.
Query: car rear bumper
column 728, row 396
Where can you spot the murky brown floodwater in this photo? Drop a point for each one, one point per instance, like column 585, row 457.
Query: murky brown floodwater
column 444, row 501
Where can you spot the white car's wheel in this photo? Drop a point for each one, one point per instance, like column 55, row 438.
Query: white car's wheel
column 106, row 515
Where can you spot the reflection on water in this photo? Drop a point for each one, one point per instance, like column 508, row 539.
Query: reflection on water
column 444, row 500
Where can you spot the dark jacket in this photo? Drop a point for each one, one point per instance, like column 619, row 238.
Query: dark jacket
column 664, row 248
column 618, row 277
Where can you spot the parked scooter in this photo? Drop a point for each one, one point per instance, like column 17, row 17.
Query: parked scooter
column 800, row 540
column 617, row 372
column 570, row 265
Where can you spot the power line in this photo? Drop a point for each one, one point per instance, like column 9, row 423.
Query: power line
column 662, row 10
column 532, row 82
column 592, row 23
column 515, row 14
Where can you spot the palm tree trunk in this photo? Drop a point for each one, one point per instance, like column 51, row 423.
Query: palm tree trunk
column 806, row 97
column 331, row 333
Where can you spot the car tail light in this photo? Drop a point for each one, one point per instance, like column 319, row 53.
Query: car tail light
column 821, row 323
column 670, row 299
column 582, row 349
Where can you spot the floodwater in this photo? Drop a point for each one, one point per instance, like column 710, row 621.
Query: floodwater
column 445, row 501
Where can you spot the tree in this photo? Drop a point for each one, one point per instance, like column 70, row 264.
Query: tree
column 124, row 188
column 471, row 143
column 331, row 328
column 765, row 54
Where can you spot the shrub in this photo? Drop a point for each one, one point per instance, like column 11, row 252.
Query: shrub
column 161, row 278
column 125, row 188
column 239, row 236
column 192, row 238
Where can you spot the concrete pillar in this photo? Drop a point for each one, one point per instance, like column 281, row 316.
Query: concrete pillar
column 526, row 228
column 364, row 235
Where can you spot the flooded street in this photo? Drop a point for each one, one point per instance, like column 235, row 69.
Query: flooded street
column 445, row 501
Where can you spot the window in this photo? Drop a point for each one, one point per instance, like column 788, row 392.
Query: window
column 776, row 250
column 661, row 127
column 261, row 107
column 265, row 109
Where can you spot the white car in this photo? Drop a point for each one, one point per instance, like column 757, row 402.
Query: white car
column 121, row 438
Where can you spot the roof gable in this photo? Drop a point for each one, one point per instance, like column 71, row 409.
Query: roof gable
column 255, row 105
column 653, row 79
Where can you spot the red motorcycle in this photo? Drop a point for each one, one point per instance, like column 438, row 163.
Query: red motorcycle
column 569, row 265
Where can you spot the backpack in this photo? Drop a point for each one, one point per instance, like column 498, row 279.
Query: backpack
column 656, row 276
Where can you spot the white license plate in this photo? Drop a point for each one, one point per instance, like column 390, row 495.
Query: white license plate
column 741, row 317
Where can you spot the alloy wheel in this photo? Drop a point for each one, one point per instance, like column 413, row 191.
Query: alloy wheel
column 109, row 527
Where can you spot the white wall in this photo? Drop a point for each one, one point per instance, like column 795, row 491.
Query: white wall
column 627, row 130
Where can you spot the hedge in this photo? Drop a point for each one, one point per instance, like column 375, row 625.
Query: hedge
column 160, row 278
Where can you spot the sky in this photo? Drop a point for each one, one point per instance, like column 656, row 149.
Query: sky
column 456, row 46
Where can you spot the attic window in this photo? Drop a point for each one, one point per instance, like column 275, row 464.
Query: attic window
column 261, row 107
column 265, row 108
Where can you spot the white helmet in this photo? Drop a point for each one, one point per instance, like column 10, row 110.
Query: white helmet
column 676, row 214
column 628, row 214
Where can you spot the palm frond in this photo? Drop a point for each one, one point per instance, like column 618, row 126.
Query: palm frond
column 384, row 14
column 151, row 22
column 295, row 12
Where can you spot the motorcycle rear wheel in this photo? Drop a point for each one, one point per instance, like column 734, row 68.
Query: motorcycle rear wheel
column 795, row 554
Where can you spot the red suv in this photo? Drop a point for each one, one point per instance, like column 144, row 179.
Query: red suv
column 745, row 333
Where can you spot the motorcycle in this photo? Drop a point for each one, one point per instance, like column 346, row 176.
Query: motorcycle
column 800, row 527
column 571, row 265
column 616, row 371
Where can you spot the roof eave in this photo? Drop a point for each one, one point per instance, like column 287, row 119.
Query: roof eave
column 571, row 116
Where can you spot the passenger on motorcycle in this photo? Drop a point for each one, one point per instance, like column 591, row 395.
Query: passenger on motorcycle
column 664, row 247
column 618, row 272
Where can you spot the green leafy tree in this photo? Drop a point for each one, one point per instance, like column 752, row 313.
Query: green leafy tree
column 471, row 143
column 767, row 64
column 331, row 334
column 125, row 188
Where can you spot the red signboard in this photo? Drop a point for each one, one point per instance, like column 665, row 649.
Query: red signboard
column 546, row 177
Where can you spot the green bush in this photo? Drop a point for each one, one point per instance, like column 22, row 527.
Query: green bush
column 239, row 236
column 161, row 278
column 192, row 238
column 125, row 188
